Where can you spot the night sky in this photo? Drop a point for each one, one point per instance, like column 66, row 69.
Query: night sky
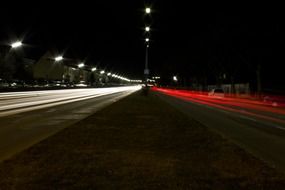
column 187, row 40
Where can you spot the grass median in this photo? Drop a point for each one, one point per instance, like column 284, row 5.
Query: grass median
column 137, row 143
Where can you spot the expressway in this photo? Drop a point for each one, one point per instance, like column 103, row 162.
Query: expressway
column 29, row 117
column 256, row 126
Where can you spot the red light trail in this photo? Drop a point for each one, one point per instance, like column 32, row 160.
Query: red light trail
column 247, row 107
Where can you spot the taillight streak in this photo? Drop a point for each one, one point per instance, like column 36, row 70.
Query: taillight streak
column 251, row 108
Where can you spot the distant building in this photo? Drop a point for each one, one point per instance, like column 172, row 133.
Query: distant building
column 46, row 68
column 25, row 69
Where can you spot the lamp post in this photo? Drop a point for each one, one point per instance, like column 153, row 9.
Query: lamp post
column 57, row 59
column 8, row 61
column 146, row 70
column 175, row 80
column 81, row 72
column 147, row 40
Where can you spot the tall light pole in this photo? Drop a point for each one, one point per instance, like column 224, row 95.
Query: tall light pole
column 146, row 70
column 59, row 58
column 10, row 59
column 147, row 42
column 81, row 72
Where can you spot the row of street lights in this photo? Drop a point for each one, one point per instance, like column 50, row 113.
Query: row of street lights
column 82, row 65
column 147, row 42
column 18, row 44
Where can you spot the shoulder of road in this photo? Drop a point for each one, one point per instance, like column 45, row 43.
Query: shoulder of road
column 139, row 142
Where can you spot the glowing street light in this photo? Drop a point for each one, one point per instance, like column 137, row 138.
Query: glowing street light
column 102, row 72
column 175, row 78
column 147, row 28
column 16, row 44
column 93, row 69
column 58, row 58
column 80, row 65
column 147, row 10
column 147, row 39
column 109, row 74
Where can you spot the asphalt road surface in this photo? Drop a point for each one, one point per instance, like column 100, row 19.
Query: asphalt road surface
column 29, row 117
column 258, row 127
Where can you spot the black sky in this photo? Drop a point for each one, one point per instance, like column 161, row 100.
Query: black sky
column 186, row 39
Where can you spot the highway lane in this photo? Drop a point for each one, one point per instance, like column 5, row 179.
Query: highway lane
column 29, row 117
column 255, row 126
column 17, row 102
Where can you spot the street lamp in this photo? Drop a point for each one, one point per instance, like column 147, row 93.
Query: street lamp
column 16, row 44
column 147, row 39
column 58, row 58
column 109, row 74
column 102, row 72
column 147, row 28
column 93, row 69
column 147, row 10
column 80, row 65
column 175, row 78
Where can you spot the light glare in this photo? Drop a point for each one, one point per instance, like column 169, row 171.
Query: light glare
column 59, row 58
column 81, row 65
column 16, row 44
column 147, row 10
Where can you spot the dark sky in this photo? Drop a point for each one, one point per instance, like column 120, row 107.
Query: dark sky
column 187, row 40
